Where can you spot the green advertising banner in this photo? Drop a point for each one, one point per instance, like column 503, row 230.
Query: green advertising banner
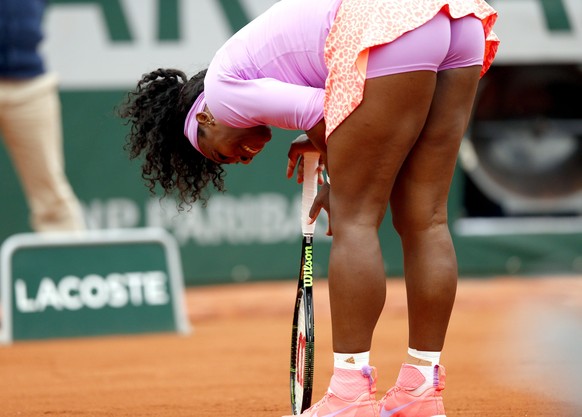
column 95, row 283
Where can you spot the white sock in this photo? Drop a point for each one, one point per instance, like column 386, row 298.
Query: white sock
column 428, row 374
column 351, row 360
column 432, row 357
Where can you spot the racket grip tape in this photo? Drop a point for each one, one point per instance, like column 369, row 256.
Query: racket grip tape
column 310, row 165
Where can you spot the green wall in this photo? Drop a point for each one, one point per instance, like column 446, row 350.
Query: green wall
column 251, row 231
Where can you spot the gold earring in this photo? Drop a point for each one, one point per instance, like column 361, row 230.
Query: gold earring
column 205, row 118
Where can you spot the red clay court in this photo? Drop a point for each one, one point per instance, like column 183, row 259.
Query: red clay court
column 513, row 350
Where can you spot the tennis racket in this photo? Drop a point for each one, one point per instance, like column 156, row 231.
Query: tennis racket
column 302, row 335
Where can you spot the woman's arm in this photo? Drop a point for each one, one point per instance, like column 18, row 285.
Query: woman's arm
column 264, row 101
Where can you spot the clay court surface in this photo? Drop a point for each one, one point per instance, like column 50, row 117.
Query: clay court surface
column 514, row 349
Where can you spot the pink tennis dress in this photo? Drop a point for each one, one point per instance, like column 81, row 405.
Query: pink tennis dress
column 360, row 25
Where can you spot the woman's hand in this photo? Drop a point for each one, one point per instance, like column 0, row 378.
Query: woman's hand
column 317, row 136
column 321, row 202
column 298, row 147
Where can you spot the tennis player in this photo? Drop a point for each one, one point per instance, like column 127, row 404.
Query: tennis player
column 384, row 91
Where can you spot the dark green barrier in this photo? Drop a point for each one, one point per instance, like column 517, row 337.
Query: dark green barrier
column 95, row 283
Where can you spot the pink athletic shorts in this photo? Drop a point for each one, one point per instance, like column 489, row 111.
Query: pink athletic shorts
column 441, row 43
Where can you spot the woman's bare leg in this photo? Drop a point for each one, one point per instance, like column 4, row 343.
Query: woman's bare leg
column 419, row 209
column 365, row 154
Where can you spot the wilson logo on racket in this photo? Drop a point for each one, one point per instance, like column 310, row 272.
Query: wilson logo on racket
column 308, row 266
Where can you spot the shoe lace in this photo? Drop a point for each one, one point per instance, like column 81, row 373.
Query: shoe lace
column 392, row 391
column 319, row 403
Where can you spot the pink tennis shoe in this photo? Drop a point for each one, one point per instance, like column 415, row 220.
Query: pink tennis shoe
column 351, row 393
column 407, row 400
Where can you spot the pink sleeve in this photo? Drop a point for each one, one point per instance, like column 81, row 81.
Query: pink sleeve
column 264, row 101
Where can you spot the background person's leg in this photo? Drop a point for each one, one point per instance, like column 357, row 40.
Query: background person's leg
column 33, row 135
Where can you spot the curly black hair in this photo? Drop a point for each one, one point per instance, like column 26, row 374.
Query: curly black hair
column 156, row 111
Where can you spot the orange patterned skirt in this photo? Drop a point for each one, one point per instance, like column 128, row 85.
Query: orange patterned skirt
column 362, row 24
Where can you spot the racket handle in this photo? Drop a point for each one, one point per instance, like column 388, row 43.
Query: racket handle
column 310, row 165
